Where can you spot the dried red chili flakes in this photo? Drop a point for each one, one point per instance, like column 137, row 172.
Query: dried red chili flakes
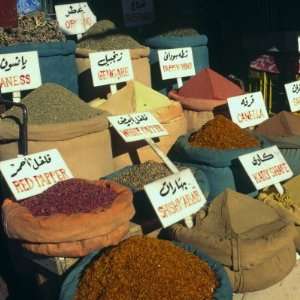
column 69, row 197
column 147, row 269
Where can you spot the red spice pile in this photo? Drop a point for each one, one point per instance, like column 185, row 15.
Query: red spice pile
column 69, row 197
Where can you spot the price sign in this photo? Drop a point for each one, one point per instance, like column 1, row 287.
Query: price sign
column 176, row 63
column 175, row 197
column 248, row 110
column 32, row 174
column 138, row 12
column 266, row 167
column 137, row 126
column 75, row 18
column 19, row 71
column 111, row 67
column 293, row 94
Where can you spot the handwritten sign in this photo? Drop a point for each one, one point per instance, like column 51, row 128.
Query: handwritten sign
column 75, row 18
column 111, row 67
column 293, row 94
column 136, row 126
column 266, row 167
column 19, row 71
column 248, row 110
column 175, row 197
column 138, row 12
column 32, row 174
column 176, row 63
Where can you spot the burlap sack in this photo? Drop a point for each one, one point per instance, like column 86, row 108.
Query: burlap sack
column 239, row 232
column 262, row 276
column 84, row 145
column 20, row 224
column 87, row 91
column 81, row 247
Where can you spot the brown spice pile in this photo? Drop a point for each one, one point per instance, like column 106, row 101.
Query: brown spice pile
column 145, row 268
column 221, row 133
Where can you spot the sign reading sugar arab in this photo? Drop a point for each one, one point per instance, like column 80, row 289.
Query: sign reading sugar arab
column 19, row 71
column 111, row 67
column 74, row 18
column 30, row 175
column 293, row 94
column 248, row 110
column 138, row 12
column 266, row 167
column 175, row 197
column 136, row 126
column 176, row 63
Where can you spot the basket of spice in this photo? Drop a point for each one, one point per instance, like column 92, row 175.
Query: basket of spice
column 215, row 148
column 70, row 219
column 57, row 118
column 150, row 269
column 104, row 36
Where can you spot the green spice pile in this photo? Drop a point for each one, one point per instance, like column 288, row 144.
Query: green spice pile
column 104, row 36
column 137, row 176
column 147, row 269
column 33, row 28
column 52, row 103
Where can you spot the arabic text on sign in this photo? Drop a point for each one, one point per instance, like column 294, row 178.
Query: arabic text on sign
column 169, row 187
column 116, row 57
column 246, row 102
column 258, row 160
column 129, row 121
column 73, row 11
column 171, row 57
column 7, row 66
column 136, row 5
column 296, row 88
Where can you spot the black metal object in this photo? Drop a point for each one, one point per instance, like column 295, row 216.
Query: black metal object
column 23, row 131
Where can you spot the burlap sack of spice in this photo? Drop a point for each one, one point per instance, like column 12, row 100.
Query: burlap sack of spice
column 242, row 234
column 62, row 229
column 283, row 130
column 87, row 91
column 221, row 166
column 136, row 97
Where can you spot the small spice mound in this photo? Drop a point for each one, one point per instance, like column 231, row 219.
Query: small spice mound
column 147, row 269
column 101, row 27
column 181, row 32
column 33, row 28
column 283, row 200
column 137, row 176
column 69, row 197
column 221, row 133
column 52, row 103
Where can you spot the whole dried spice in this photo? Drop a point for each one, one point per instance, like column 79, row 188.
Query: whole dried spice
column 137, row 176
column 33, row 28
column 69, row 197
column 221, row 133
column 149, row 269
column 284, row 200
column 52, row 103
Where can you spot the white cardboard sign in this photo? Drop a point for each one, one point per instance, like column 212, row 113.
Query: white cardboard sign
column 138, row 12
column 75, row 18
column 32, row 174
column 111, row 67
column 137, row 126
column 293, row 94
column 175, row 197
column 19, row 71
column 248, row 110
column 176, row 63
column 266, row 167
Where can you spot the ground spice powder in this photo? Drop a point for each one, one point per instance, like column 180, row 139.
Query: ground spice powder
column 146, row 268
column 69, row 197
column 222, row 133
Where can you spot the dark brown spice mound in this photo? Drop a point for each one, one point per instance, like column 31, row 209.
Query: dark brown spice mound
column 69, row 197
column 222, row 133
column 146, row 268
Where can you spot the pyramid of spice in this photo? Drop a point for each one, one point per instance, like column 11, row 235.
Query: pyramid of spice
column 69, row 197
column 221, row 133
column 33, row 28
column 147, row 269
column 52, row 103
column 104, row 36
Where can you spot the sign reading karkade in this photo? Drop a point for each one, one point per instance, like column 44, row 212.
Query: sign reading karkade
column 32, row 174
column 19, row 71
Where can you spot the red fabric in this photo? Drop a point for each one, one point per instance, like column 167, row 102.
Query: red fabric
column 8, row 13
column 208, row 84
